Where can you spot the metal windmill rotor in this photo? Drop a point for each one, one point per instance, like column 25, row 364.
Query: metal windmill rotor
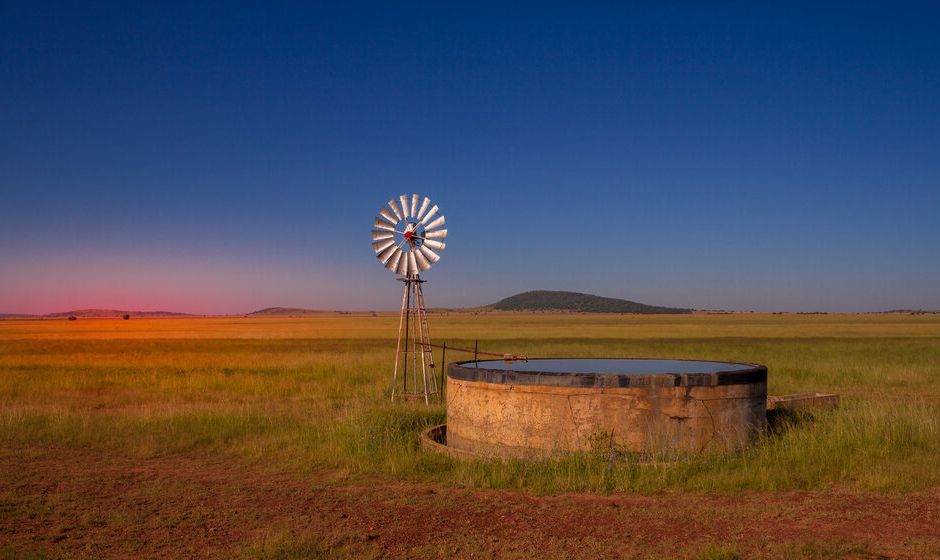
column 405, row 236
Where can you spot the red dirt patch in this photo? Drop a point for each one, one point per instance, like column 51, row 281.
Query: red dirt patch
column 80, row 503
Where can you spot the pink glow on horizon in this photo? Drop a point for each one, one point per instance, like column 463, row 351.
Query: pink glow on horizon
column 204, row 287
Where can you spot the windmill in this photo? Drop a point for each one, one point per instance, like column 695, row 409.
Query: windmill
column 405, row 236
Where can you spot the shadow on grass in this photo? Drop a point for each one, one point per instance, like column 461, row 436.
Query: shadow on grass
column 782, row 420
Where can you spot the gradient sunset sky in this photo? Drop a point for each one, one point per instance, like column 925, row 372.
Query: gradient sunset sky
column 227, row 157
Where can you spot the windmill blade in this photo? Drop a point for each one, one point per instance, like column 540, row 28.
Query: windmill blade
column 414, row 205
column 392, row 262
column 388, row 216
column 387, row 254
column 379, row 246
column 412, row 263
column 429, row 254
column 435, row 224
column 435, row 244
column 422, row 261
column 439, row 234
column 424, row 206
column 405, row 206
column 377, row 235
column 403, row 264
column 393, row 204
column 430, row 214
column 379, row 224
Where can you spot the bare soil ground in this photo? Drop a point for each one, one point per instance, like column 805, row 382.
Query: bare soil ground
column 83, row 504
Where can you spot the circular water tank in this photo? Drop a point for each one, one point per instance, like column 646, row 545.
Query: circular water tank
column 544, row 406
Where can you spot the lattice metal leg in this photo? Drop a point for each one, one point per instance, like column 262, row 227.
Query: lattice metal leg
column 427, row 357
column 401, row 321
column 414, row 345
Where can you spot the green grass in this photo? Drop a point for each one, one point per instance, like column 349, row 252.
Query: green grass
column 289, row 546
column 312, row 394
column 718, row 553
column 9, row 553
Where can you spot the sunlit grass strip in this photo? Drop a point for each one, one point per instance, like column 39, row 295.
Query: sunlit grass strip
column 322, row 403
column 870, row 445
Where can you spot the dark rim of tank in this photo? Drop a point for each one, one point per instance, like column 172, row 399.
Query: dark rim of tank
column 756, row 373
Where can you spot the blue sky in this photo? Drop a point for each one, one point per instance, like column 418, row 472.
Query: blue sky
column 222, row 158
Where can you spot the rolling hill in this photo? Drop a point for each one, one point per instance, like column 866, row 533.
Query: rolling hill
column 545, row 300
column 285, row 312
column 109, row 313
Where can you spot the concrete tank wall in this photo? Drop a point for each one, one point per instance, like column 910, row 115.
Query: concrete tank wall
column 659, row 413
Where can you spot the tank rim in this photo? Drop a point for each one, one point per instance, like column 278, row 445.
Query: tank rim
column 755, row 373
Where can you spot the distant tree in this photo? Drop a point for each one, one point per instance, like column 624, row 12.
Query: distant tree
column 126, row 316
column 72, row 317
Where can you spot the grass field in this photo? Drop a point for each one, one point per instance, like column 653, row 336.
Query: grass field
column 310, row 397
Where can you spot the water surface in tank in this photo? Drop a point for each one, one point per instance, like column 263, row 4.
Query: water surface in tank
column 612, row 366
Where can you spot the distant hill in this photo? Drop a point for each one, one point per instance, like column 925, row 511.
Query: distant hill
column 544, row 300
column 908, row 312
column 109, row 313
column 286, row 312
column 117, row 313
column 17, row 316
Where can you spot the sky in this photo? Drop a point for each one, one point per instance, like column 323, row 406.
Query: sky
column 221, row 158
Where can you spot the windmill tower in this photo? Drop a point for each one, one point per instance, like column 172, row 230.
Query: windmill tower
column 405, row 236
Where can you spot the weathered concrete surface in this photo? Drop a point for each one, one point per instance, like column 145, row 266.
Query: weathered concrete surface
column 506, row 420
column 803, row 401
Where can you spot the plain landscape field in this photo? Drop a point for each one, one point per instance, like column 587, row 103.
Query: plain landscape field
column 274, row 437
